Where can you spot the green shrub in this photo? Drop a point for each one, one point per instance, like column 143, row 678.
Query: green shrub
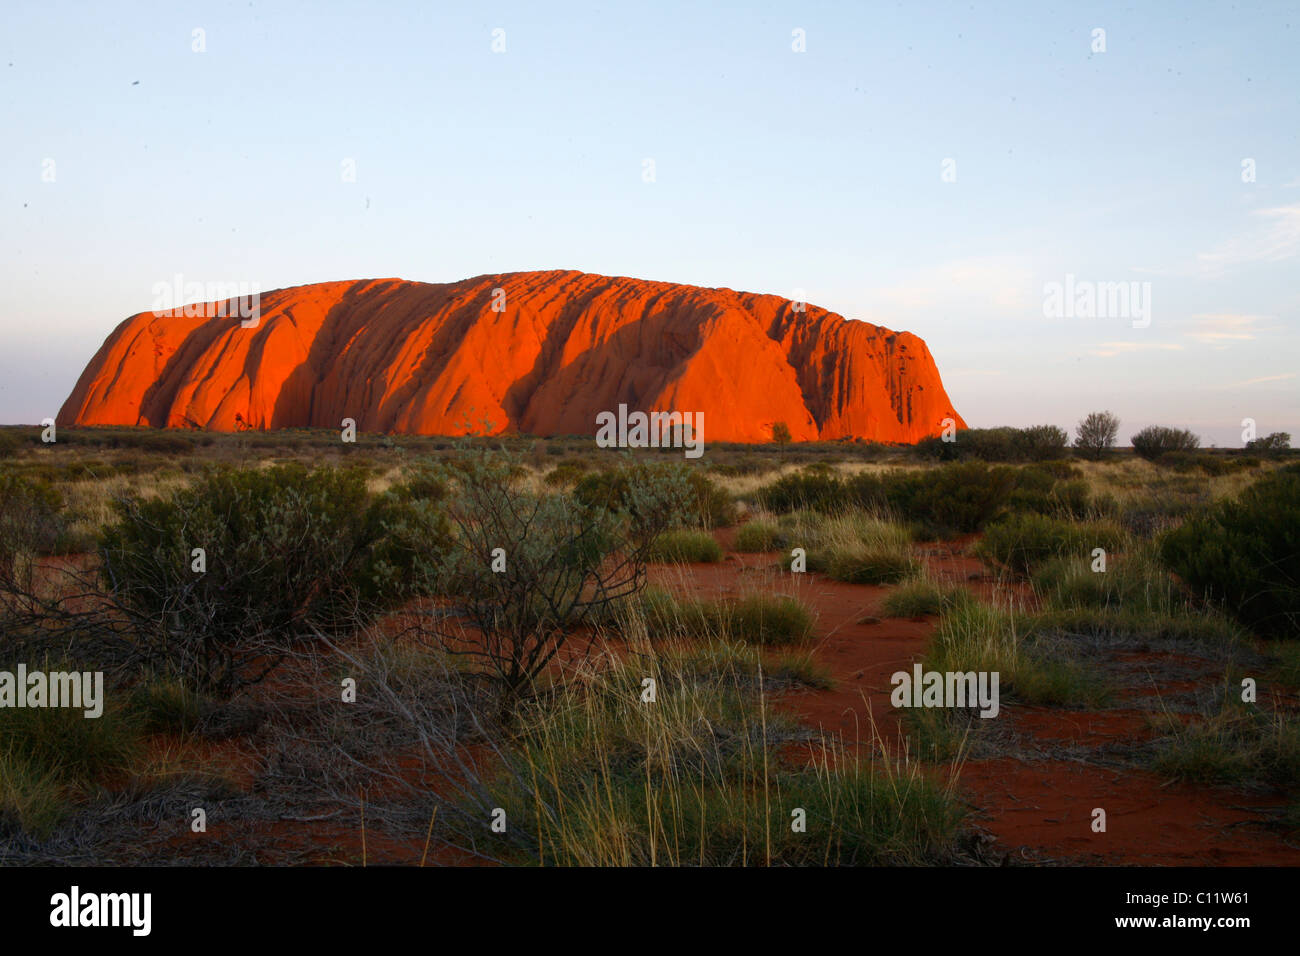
column 565, row 561
column 1162, row 507
column 714, row 506
column 1213, row 465
column 30, row 518
column 708, row 506
column 744, row 466
column 689, row 547
column 956, row 498
column 290, row 553
column 1270, row 444
column 953, row 498
column 1052, row 488
column 1156, row 440
column 1245, row 553
column 1002, row 444
column 856, row 547
column 667, row 615
column 812, row 490
column 606, row 489
column 975, row 637
column 566, row 473
column 1236, row 745
column 1021, row 542
column 421, row 482
column 759, row 619
column 1072, row 498
column 1041, row 442
column 1134, row 622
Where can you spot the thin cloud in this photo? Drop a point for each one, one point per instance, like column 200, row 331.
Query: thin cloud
column 1273, row 236
column 1276, row 240
column 1004, row 283
column 1111, row 349
column 1262, row 380
column 1221, row 328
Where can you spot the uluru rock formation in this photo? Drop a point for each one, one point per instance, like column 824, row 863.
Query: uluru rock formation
column 540, row 353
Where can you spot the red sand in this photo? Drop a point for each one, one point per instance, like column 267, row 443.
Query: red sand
column 1036, row 808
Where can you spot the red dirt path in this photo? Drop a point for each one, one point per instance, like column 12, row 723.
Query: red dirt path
column 1036, row 808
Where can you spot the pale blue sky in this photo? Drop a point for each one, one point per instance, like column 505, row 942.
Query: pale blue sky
column 775, row 171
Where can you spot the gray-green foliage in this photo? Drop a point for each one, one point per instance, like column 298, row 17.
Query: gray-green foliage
column 525, row 567
column 288, row 553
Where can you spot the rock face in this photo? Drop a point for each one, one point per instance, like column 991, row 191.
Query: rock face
column 540, row 353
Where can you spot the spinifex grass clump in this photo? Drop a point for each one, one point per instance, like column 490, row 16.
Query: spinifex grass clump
column 758, row 618
column 922, row 594
column 758, row 535
column 74, row 747
column 1135, row 580
column 686, row 546
column 1134, row 597
column 50, row 755
column 1239, row 744
column 33, row 798
column 855, row 547
column 704, row 774
column 976, row 637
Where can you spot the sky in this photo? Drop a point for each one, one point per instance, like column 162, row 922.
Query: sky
column 945, row 169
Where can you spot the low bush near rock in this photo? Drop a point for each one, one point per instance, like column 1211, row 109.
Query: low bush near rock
column 1245, row 553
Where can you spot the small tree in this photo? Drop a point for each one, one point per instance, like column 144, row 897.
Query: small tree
column 1278, row 441
column 1096, row 434
column 781, row 433
column 525, row 568
column 1155, row 441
